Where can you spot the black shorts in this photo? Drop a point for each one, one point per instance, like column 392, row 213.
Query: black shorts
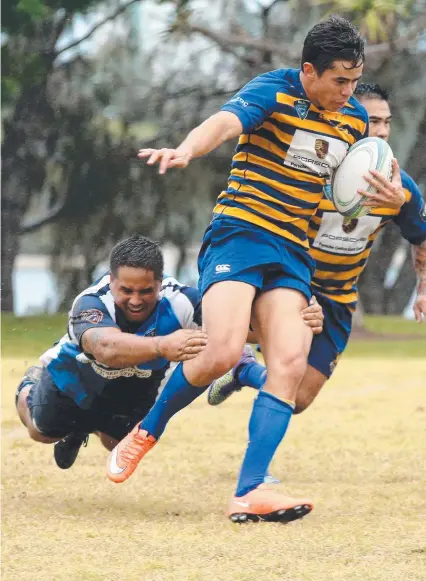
column 56, row 415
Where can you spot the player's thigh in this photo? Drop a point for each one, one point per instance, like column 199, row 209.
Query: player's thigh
column 226, row 318
column 282, row 333
column 53, row 414
column 226, row 312
column 310, row 386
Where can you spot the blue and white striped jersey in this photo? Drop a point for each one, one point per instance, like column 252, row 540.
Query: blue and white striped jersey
column 80, row 376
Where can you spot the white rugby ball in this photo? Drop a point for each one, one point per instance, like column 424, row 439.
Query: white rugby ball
column 367, row 154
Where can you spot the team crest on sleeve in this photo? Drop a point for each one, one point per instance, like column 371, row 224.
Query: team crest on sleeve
column 302, row 108
column 92, row 316
column 321, row 148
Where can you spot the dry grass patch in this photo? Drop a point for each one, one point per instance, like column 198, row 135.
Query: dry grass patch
column 359, row 453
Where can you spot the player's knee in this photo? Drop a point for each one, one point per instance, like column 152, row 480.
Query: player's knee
column 222, row 358
column 291, row 367
column 302, row 403
column 38, row 436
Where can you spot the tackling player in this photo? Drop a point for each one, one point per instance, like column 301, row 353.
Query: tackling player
column 106, row 372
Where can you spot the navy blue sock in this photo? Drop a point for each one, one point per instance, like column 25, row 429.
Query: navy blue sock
column 252, row 375
column 176, row 395
column 267, row 427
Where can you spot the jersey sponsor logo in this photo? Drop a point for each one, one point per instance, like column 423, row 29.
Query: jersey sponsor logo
column 302, row 108
column 92, row 315
column 345, row 236
column 313, row 154
column 321, row 148
column 222, row 268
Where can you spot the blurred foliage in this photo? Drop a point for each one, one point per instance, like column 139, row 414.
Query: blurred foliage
column 376, row 19
column 74, row 120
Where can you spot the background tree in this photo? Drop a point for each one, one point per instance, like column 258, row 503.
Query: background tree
column 74, row 118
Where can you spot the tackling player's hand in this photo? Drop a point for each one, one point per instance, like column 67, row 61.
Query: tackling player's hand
column 182, row 345
column 420, row 307
column 166, row 158
column 389, row 194
column 313, row 316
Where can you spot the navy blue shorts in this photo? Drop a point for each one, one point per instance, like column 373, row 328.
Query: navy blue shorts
column 327, row 347
column 56, row 415
column 234, row 249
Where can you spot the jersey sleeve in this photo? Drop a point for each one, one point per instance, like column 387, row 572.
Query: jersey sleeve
column 255, row 101
column 192, row 314
column 412, row 217
column 88, row 312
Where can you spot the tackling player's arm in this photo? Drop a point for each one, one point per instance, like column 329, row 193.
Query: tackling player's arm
column 113, row 348
column 92, row 327
column 419, row 258
column 245, row 111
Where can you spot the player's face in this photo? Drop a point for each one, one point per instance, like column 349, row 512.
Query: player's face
column 380, row 117
column 135, row 292
column 332, row 89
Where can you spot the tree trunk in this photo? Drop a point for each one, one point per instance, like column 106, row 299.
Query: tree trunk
column 10, row 218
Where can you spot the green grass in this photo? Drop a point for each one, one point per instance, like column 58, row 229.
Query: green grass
column 32, row 335
column 394, row 325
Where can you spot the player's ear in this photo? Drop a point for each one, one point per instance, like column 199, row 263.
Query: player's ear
column 309, row 70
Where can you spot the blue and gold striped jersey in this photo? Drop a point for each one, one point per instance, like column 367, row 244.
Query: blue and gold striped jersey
column 289, row 148
column 341, row 246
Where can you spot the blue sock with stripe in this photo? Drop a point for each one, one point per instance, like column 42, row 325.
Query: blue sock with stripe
column 176, row 395
column 267, row 427
column 252, row 375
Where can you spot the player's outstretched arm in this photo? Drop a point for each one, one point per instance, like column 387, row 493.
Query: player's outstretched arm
column 113, row 348
column 419, row 258
column 205, row 138
column 389, row 194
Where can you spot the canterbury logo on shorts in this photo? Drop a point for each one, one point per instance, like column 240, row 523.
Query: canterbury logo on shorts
column 221, row 268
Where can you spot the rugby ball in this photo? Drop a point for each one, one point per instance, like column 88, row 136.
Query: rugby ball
column 367, row 154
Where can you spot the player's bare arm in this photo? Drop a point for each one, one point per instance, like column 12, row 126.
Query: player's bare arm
column 113, row 348
column 419, row 258
column 217, row 129
column 389, row 194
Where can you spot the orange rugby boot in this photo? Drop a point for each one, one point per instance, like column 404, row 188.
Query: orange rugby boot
column 124, row 459
column 267, row 504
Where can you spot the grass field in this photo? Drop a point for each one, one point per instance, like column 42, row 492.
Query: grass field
column 359, row 452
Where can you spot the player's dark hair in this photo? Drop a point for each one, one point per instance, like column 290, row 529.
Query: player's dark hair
column 331, row 40
column 138, row 252
column 371, row 91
